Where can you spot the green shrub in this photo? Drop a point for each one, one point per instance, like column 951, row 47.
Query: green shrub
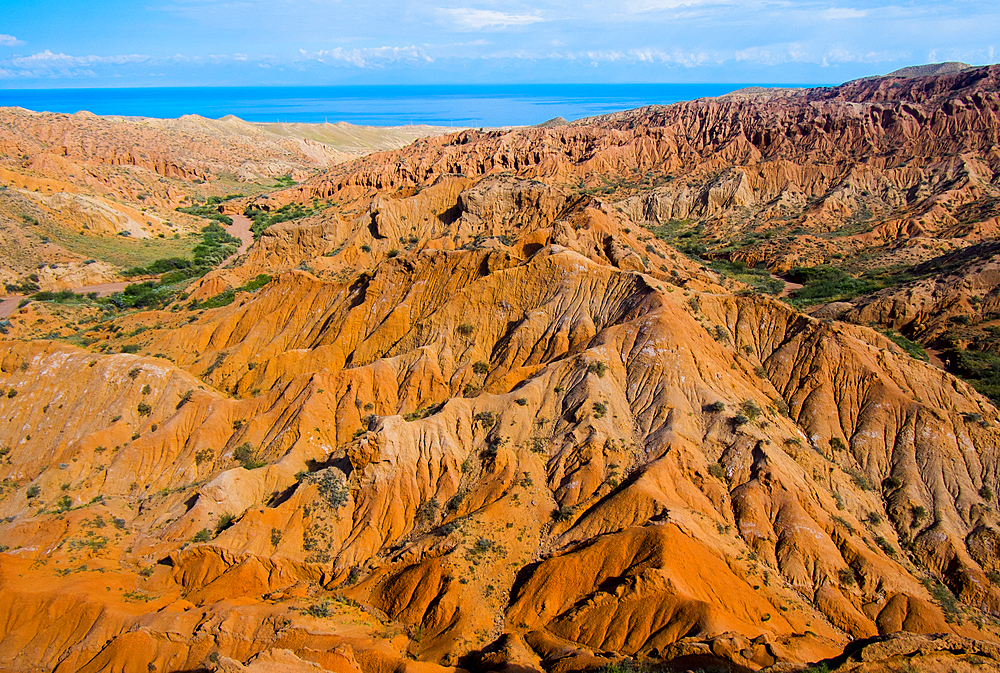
column 912, row 348
column 262, row 219
column 465, row 329
column 64, row 504
column 209, row 212
column 245, row 454
column 821, row 284
column 481, row 368
column 427, row 511
column 563, row 513
column 185, row 398
column 859, row 478
column 758, row 277
column 486, row 419
column 600, row 409
column 204, row 535
column 884, row 545
column 33, row 491
column 715, row 407
column 332, row 487
column 750, row 409
column 144, row 409
column 944, row 597
column 598, row 368
column 318, row 610
column 225, row 521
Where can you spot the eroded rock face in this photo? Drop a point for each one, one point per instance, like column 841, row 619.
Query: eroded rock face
column 479, row 419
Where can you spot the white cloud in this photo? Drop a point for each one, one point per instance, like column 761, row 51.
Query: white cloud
column 837, row 13
column 654, row 5
column 368, row 57
column 47, row 59
column 10, row 41
column 772, row 55
column 465, row 18
column 646, row 55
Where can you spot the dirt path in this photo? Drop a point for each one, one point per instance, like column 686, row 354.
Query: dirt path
column 934, row 358
column 789, row 286
column 9, row 304
column 241, row 230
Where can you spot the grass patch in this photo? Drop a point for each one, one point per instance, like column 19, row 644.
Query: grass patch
column 981, row 369
column 758, row 277
column 910, row 347
column 821, row 284
column 229, row 296
column 120, row 251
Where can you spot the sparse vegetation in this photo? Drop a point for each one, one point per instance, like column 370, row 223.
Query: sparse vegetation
column 758, row 277
column 246, row 455
column 750, row 409
column 598, row 368
column 911, row 347
column 262, row 219
column 885, row 546
column 332, row 487
column 225, row 521
column 822, row 284
column 563, row 513
column 847, row 577
column 859, row 478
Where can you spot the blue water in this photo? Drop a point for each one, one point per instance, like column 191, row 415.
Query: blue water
column 502, row 105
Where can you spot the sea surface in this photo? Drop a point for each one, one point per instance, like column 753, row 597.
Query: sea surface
column 470, row 106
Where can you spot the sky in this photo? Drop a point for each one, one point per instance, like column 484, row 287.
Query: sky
column 151, row 43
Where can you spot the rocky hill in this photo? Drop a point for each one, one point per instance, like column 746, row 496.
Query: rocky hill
column 70, row 182
column 531, row 400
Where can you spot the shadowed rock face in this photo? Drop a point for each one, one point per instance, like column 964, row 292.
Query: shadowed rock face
column 481, row 418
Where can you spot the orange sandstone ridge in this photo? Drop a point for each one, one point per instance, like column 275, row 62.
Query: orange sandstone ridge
column 480, row 418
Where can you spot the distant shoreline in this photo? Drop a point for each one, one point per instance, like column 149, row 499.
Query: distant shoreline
column 402, row 105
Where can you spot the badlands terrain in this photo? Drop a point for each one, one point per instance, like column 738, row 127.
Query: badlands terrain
column 709, row 386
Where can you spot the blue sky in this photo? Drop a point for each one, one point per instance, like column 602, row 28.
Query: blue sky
column 96, row 43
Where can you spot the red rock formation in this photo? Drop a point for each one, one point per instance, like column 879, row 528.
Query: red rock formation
column 481, row 418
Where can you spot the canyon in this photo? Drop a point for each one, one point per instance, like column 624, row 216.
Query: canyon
column 643, row 390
